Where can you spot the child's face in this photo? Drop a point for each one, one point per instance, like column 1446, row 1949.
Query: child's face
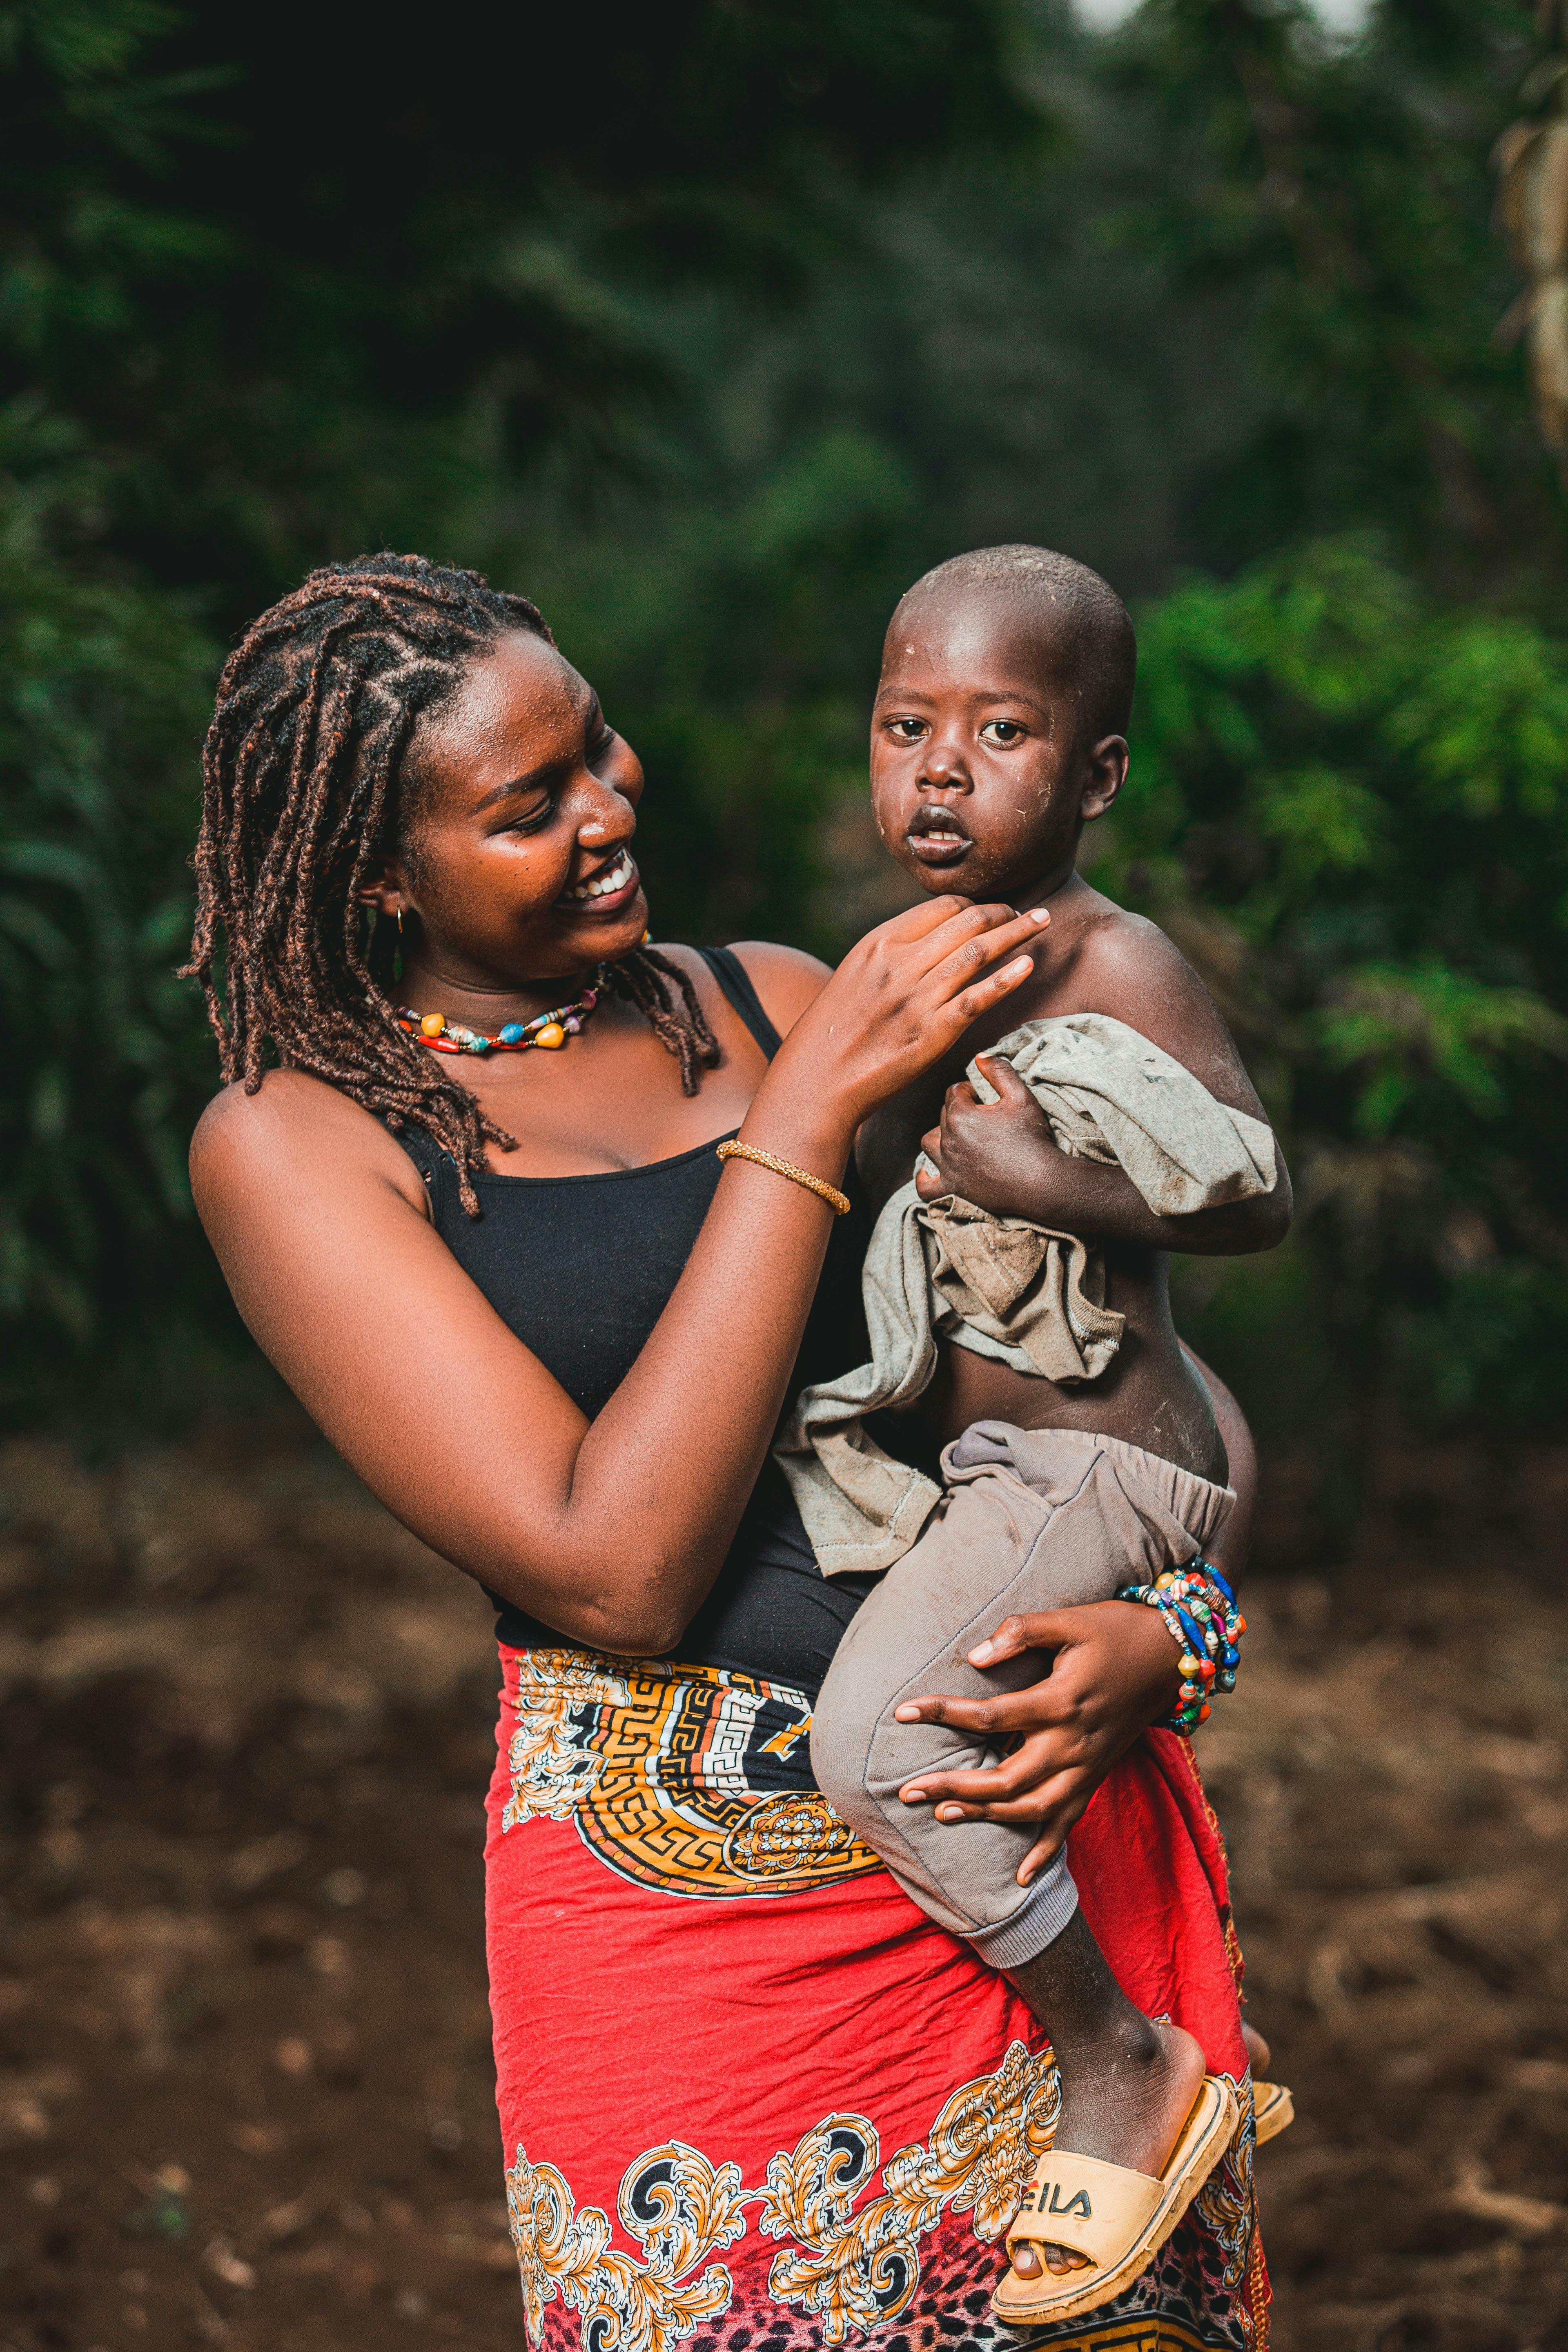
column 980, row 779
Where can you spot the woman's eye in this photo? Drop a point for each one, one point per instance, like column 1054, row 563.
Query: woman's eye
column 537, row 813
column 1001, row 730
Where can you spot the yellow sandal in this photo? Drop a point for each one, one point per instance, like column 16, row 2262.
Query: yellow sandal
column 1273, row 2110
column 1117, row 2218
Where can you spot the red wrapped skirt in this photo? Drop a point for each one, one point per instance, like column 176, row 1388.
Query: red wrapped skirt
column 751, row 2099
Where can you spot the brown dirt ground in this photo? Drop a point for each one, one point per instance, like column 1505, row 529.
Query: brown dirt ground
column 244, row 2097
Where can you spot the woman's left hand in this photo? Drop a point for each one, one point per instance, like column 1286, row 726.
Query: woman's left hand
column 1113, row 1673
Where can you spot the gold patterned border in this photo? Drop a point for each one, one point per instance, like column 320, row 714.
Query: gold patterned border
column 671, row 1775
column 848, row 2266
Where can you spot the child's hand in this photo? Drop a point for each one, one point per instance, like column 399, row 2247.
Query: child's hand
column 998, row 1155
column 1110, row 1677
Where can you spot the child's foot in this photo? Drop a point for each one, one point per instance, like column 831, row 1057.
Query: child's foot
column 1257, row 2052
column 1125, row 2103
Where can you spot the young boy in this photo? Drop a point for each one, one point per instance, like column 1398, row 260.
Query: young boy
column 998, row 734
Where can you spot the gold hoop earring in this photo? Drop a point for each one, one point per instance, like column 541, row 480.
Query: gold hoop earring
column 399, row 914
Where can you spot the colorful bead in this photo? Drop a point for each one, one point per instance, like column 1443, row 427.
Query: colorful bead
column 548, row 1029
column 1198, row 1610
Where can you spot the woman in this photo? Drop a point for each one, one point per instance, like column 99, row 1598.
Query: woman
column 553, row 1330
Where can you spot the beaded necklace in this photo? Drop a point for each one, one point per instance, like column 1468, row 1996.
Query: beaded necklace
column 547, row 1029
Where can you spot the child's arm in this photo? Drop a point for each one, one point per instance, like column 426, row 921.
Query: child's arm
column 1003, row 1157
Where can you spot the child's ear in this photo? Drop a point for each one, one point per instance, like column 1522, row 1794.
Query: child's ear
column 1107, row 774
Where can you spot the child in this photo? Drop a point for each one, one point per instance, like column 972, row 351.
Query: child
column 1083, row 1455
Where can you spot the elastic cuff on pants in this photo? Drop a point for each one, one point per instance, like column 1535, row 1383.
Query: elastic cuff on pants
column 1039, row 1919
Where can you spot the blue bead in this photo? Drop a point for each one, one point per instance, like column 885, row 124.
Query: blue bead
column 513, row 1035
column 476, row 1044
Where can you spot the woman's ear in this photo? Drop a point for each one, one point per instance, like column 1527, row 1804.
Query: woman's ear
column 1107, row 763
column 388, row 894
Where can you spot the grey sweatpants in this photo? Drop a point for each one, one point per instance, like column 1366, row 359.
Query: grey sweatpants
column 1032, row 1520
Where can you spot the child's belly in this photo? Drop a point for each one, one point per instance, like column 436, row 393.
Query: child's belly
column 1150, row 1396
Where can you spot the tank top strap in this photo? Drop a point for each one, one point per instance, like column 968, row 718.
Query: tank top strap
column 736, row 983
column 427, row 1156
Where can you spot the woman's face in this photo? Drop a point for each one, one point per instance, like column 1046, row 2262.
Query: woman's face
column 517, row 862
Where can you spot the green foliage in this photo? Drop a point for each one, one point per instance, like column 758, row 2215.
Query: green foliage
column 1345, row 803
column 1490, row 1349
column 104, row 688
column 749, row 315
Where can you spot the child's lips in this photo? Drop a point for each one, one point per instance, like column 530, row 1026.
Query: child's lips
column 939, row 845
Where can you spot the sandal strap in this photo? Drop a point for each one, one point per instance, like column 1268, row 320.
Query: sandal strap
column 1096, row 2208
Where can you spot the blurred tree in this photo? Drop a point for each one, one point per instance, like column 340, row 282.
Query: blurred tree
column 271, row 291
column 104, row 690
column 1340, row 192
column 1348, row 806
column 1532, row 160
column 712, row 330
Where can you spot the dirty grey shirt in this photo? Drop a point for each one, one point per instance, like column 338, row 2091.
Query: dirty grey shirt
column 1003, row 1287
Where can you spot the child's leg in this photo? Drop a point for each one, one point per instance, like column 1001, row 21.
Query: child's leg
column 1072, row 1534
column 1127, row 2083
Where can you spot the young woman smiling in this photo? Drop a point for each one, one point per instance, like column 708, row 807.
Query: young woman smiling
column 522, row 1293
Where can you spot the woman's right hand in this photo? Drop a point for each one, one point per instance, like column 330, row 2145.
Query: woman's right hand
column 900, row 1000
column 1113, row 1673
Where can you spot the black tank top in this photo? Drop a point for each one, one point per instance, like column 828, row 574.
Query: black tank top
column 580, row 1267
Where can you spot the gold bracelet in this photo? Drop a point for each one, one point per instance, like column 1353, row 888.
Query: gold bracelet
column 837, row 1200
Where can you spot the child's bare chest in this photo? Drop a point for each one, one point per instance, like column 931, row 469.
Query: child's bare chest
column 890, row 1138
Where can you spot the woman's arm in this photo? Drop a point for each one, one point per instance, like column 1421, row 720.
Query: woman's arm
column 611, row 1530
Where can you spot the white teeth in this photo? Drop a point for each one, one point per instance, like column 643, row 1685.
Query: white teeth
column 619, row 875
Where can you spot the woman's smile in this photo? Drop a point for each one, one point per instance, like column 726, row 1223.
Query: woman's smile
column 607, row 892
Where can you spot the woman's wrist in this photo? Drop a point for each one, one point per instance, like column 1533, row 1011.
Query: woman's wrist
column 1150, row 1650
column 797, row 1124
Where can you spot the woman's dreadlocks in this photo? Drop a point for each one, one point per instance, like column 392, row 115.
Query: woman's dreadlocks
column 304, row 781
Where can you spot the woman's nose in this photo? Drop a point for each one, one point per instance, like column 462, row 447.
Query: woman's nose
column 606, row 814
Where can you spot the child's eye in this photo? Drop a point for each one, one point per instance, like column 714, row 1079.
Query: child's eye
column 1001, row 730
column 906, row 731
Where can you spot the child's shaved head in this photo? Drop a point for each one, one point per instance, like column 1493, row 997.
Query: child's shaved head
column 998, row 731
column 1084, row 628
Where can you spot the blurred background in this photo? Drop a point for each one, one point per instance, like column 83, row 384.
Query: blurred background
column 709, row 329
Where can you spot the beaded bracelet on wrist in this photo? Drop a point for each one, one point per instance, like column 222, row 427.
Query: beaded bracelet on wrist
column 1198, row 1610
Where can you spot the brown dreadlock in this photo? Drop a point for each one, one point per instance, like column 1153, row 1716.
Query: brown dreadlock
column 305, row 777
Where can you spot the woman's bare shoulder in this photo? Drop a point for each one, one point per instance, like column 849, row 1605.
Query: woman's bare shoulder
column 786, row 979
column 293, row 1127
